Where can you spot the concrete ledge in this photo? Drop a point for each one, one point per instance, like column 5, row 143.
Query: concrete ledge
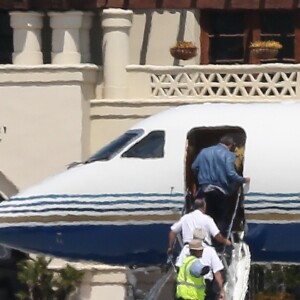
column 16, row 74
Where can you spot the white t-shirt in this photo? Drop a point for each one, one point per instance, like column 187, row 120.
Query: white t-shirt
column 209, row 258
column 195, row 219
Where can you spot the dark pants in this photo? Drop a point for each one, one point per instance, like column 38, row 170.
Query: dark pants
column 212, row 290
column 218, row 207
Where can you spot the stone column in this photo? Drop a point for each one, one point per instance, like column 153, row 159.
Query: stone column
column 116, row 24
column 85, row 37
column 27, row 37
column 65, row 37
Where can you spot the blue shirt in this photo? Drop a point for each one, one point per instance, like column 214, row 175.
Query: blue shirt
column 215, row 165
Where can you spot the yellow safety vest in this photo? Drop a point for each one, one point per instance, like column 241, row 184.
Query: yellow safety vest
column 188, row 286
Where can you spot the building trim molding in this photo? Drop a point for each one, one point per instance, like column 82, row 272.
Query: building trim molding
column 12, row 74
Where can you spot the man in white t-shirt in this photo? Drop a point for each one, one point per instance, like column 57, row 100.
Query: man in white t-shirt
column 195, row 219
column 213, row 279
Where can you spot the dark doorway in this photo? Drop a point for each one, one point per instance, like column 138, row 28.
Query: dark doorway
column 199, row 138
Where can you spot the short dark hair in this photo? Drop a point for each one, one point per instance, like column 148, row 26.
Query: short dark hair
column 199, row 203
column 227, row 140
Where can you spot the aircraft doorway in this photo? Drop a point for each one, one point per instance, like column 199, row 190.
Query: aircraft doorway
column 199, row 138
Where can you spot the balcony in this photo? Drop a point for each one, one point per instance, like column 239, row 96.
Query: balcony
column 265, row 82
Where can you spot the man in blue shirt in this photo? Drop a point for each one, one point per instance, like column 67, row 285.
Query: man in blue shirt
column 217, row 179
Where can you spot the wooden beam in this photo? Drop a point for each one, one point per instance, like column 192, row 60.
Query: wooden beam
column 150, row 4
column 297, row 38
column 204, row 38
column 204, row 4
column 255, row 35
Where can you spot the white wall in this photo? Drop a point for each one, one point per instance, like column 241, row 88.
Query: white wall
column 46, row 116
column 154, row 32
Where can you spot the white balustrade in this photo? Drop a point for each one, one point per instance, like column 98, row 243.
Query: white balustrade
column 66, row 37
column 27, row 37
column 232, row 83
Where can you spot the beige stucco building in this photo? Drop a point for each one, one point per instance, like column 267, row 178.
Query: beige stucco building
column 103, row 72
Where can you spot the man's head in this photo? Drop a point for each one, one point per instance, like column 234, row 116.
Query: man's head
column 200, row 204
column 228, row 141
column 196, row 247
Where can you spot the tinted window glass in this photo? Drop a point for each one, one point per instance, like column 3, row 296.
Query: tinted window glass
column 152, row 146
column 283, row 32
column 115, row 146
column 227, row 37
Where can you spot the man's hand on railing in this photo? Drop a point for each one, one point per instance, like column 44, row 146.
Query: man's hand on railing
column 228, row 242
column 170, row 251
column 222, row 295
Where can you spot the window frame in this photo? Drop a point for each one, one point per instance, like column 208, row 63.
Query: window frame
column 140, row 143
column 252, row 32
column 116, row 146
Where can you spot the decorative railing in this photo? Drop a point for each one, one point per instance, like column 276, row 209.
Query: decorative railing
column 234, row 82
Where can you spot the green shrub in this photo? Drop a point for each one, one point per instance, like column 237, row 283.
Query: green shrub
column 43, row 283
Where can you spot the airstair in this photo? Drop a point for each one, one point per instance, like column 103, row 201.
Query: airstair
column 237, row 270
column 237, row 265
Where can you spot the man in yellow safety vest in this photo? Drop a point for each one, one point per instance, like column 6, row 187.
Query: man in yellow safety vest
column 190, row 281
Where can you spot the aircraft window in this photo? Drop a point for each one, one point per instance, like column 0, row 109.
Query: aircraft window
column 114, row 147
column 152, row 146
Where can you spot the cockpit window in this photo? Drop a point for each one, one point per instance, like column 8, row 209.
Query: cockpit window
column 113, row 148
column 152, row 146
